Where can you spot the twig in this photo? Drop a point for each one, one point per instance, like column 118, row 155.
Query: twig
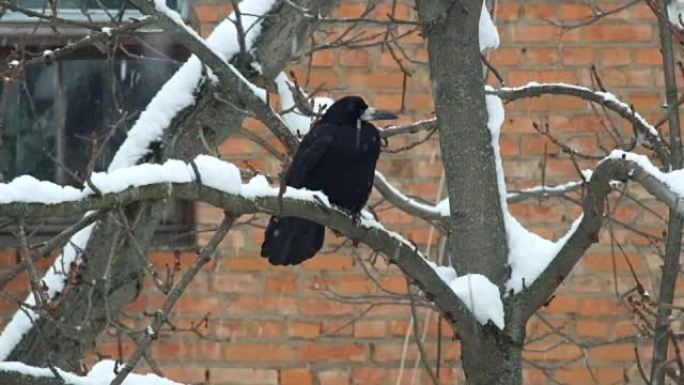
column 162, row 314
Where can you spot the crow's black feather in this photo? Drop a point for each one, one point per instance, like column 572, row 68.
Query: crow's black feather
column 337, row 157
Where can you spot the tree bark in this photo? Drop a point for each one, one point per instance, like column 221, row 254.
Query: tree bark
column 492, row 357
column 673, row 245
column 478, row 237
column 79, row 323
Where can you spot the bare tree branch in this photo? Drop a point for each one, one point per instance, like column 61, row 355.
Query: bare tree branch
column 607, row 100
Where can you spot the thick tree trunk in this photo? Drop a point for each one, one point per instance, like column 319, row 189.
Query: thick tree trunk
column 63, row 344
column 492, row 358
column 478, row 237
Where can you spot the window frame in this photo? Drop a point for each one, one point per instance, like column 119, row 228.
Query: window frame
column 13, row 28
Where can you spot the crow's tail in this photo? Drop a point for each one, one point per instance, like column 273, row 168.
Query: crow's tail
column 290, row 240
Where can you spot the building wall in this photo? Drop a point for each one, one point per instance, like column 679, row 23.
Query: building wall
column 288, row 326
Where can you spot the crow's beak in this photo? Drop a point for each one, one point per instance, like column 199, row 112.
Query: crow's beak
column 375, row 114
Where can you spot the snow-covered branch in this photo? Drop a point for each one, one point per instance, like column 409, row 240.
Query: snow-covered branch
column 666, row 187
column 410, row 205
column 412, row 128
column 222, row 187
column 608, row 100
column 102, row 373
column 230, row 79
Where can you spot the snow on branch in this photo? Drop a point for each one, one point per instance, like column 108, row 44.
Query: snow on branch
column 487, row 307
column 489, row 35
column 410, row 205
column 543, row 191
column 621, row 166
column 421, row 125
column 229, row 78
column 643, row 128
column 220, row 185
column 101, row 373
column 179, row 92
column 530, row 255
column 297, row 121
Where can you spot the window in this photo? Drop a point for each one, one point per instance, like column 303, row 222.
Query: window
column 87, row 10
column 59, row 121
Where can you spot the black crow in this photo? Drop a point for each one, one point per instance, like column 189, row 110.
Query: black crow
column 336, row 157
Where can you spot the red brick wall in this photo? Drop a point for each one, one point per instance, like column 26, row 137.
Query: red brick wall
column 278, row 325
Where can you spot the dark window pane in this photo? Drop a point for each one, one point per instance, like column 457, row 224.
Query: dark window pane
column 59, row 119
column 84, row 4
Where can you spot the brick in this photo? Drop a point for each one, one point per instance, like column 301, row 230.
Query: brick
column 617, row 32
column 211, row 13
column 369, row 329
column 322, row 307
column 533, row 33
column 382, row 80
column 243, row 352
column 354, row 58
column 350, row 10
column 649, row 56
column 573, row 12
column 615, row 56
column 281, row 283
column 171, row 350
column 592, row 328
column 563, row 304
column 323, row 58
column 505, row 56
column 265, row 305
column 538, row 11
column 9, row 257
column 597, row 307
column 245, row 376
column 613, row 352
column 251, row 263
column 541, row 56
column 368, row 375
column 296, row 377
column 329, row 262
column 253, row 328
column 355, row 285
column 304, row 329
column 188, row 374
column 551, row 353
column 236, row 283
column 331, row 352
column 574, row 375
column 333, row 377
column 578, row 55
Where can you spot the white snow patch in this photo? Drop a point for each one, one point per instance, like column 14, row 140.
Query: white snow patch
column 172, row 171
column 489, row 36
column 674, row 180
column 298, row 123
column 445, row 273
column 26, row 188
column 481, row 297
column 100, row 374
column 218, row 174
column 528, row 253
column 256, row 186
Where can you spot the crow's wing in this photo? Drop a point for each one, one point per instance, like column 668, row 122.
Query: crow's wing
column 310, row 151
